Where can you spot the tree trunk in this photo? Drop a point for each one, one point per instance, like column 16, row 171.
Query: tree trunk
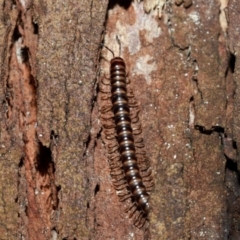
column 182, row 62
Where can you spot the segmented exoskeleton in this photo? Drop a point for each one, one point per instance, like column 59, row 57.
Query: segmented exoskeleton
column 130, row 168
column 124, row 133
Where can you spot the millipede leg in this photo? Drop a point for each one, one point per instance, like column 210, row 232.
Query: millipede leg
column 108, row 82
column 108, row 126
column 137, row 127
column 137, row 130
column 148, row 180
column 129, row 208
column 144, row 165
column 146, row 174
column 135, row 119
column 148, row 184
column 130, row 95
column 124, row 196
column 117, row 176
column 130, row 92
column 122, row 178
column 109, row 133
column 116, row 173
column 114, row 159
column 110, row 146
column 107, row 118
column 120, row 187
column 139, row 145
column 139, row 140
column 133, row 104
column 138, row 218
column 142, row 153
column 112, row 150
column 110, row 137
column 105, row 97
column 119, row 183
column 106, row 109
column 143, row 168
column 149, row 188
column 115, row 166
column 105, row 92
column 132, row 213
column 142, row 158
column 139, row 222
column 114, row 163
column 136, row 112
column 127, row 79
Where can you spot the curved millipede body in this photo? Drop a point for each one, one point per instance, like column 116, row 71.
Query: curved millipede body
column 124, row 134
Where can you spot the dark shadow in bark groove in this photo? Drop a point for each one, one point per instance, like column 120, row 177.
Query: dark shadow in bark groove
column 123, row 3
column 35, row 28
column 233, row 182
column 44, row 160
column 96, row 189
column 232, row 60
column 205, row 131
column 16, row 34
column 232, row 166
column 53, row 136
column 20, row 163
column 25, row 56
column 46, row 167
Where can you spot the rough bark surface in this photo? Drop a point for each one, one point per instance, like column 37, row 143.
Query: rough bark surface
column 177, row 67
column 233, row 13
column 48, row 73
column 55, row 177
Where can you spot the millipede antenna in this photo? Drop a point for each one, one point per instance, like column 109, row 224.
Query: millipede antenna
column 108, row 49
column 119, row 43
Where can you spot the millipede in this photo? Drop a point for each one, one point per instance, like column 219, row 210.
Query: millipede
column 130, row 172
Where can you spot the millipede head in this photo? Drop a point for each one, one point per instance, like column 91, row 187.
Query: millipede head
column 117, row 61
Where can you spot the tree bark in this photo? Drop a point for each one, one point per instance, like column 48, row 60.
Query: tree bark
column 182, row 63
column 48, row 78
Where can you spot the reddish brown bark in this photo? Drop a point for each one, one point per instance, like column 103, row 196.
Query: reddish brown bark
column 55, row 177
column 47, row 114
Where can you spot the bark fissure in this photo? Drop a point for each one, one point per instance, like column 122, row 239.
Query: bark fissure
column 37, row 193
column 55, row 177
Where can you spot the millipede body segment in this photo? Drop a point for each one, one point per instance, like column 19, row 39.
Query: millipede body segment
column 124, row 132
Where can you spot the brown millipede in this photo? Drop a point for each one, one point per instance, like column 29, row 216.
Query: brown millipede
column 129, row 168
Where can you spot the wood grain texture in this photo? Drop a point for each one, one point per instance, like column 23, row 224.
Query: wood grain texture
column 10, row 142
column 49, row 58
column 69, row 37
column 234, row 45
column 233, row 16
